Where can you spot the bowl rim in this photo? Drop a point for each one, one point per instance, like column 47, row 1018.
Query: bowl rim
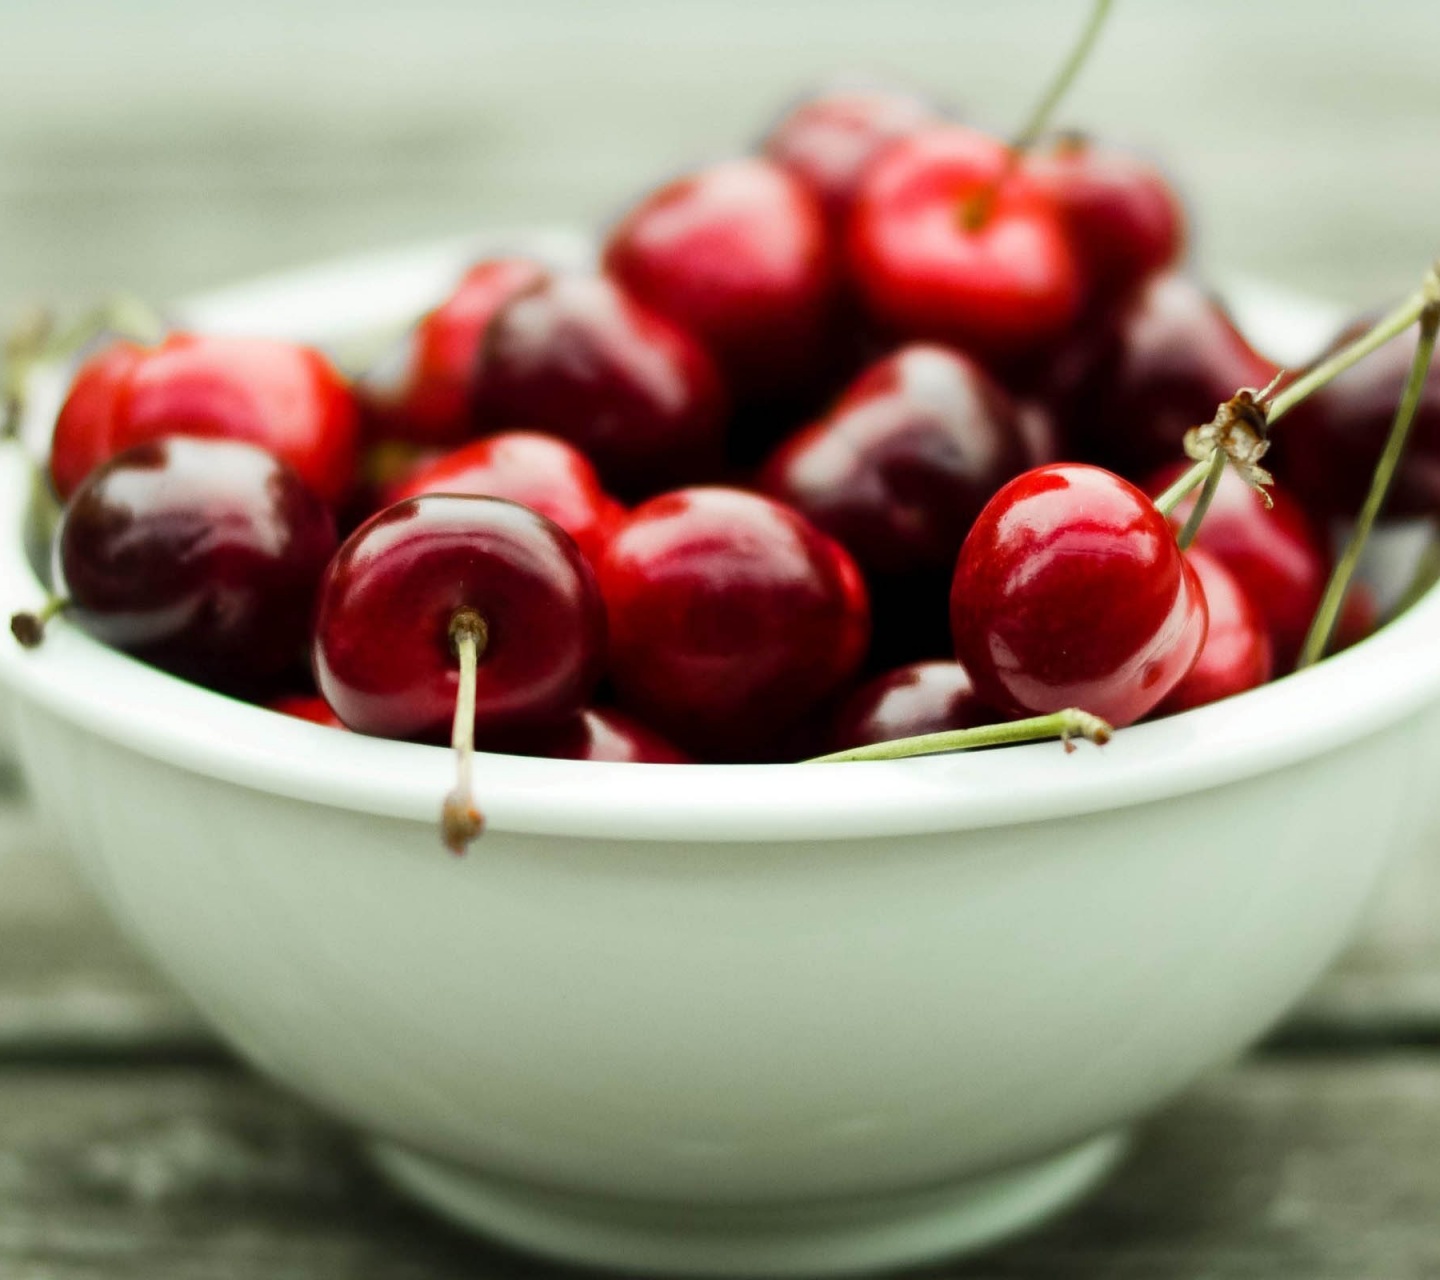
column 1380, row 682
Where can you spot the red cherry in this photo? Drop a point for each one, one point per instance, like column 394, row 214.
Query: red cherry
column 597, row 733
column 902, row 465
column 922, row 697
column 828, row 139
column 738, row 254
column 1161, row 365
column 1002, row 286
column 1125, row 220
column 199, row 556
column 1236, row 655
column 731, row 618
column 1359, row 617
column 1327, row 448
column 382, row 651
column 1070, row 591
column 306, row 706
column 579, row 358
column 285, row 398
column 539, row 472
column 423, row 390
column 1276, row 554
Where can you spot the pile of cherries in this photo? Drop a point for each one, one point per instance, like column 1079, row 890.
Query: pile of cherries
column 849, row 439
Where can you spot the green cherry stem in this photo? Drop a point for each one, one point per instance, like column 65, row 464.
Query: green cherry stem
column 977, row 210
column 1185, row 485
column 1214, row 470
column 1317, row 639
column 1067, row 724
column 28, row 628
column 460, row 821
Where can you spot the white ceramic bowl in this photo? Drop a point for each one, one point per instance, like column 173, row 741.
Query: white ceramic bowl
column 793, row 1019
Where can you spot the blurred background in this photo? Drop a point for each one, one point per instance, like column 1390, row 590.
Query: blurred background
column 168, row 145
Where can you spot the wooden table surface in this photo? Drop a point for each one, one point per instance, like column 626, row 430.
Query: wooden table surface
column 168, row 145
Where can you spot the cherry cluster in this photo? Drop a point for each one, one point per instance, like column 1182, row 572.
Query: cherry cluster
column 850, row 439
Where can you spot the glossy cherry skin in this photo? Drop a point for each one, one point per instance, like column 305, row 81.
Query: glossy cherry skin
column 827, row 140
column 287, row 399
column 540, row 472
column 731, row 618
column 1124, row 219
column 1001, row 287
column 1070, row 591
column 1236, row 655
column 199, row 556
column 1162, row 364
column 382, row 652
column 597, row 733
column 1327, row 448
column 424, row 389
column 306, row 706
column 902, row 465
column 920, row 697
column 1276, row 554
column 739, row 255
column 578, row 357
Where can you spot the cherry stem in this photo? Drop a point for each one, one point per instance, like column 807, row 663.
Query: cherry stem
column 977, row 210
column 1387, row 327
column 1067, row 724
column 1185, row 485
column 1317, row 639
column 29, row 628
column 1214, row 470
column 460, row 821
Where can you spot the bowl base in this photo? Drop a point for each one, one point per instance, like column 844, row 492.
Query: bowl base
column 831, row 1238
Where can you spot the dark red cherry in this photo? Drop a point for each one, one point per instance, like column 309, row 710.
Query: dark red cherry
column 1327, row 448
column 739, row 255
column 1276, row 554
column 578, row 357
column 199, row 556
column 540, row 472
column 383, row 655
column 1125, row 220
column 935, row 257
column 597, row 733
column 1359, row 617
column 287, row 399
column 921, row 697
column 899, row 469
column 424, row 389
column 306, row 706
column 828, row 139
column 1070, row 591
column 731, row 618
column 1236, row 655
column 1161, row 364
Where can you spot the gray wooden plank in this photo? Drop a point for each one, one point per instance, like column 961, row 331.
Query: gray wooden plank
column 1313, row 1167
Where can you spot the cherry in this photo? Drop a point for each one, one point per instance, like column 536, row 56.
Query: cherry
column 828, row 139
column 1070, row 591
column 306, row 706
column 1160, row 366
column 947, row 243
column 199, row 556
column 578, row 357
column 424, row 388
column 597, row 733
column 900, row 468
column 383, row 651
column 738, row 254
column 1327, row 449
column 285, row 398
column 1124, row 219
column 1236, row 655
column 1276, row 554
column 1359, row 616
column 731, row 618
column 540, row 472
column 921, row 697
